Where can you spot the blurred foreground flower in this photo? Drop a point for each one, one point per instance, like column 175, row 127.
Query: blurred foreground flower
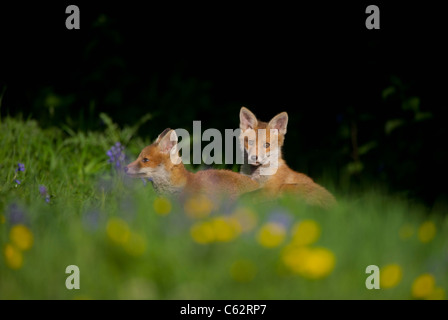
column 44, row 193
column 220, row 229
column 116, row 156
column 16, row 214
column 305, row 232
column 162, row 206
column 311, row 263
column 13, row 257
column 198, row 206
column 423, row 286
column 246, row 218
column 202, row 232
column 225, row 228
column 427, row 231
column 135, row 245
column 271, row 234
column 21, row 237
column 118, row 231
column 282, row 217
column 390, row 276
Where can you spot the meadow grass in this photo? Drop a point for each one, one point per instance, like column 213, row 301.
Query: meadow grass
column 70, row 206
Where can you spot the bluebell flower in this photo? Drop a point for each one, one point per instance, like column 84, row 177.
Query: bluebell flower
column 43, row 190
column 44, row 193
column 20, row 167
column 116, row 155
column 17, row 181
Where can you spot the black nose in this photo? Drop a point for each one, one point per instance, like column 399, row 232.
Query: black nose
column 125, row 169
column 254, row 158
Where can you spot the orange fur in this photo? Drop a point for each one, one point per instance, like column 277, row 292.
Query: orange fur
column 284, row 180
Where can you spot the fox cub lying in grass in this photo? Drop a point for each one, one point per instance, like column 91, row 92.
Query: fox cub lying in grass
column 261, row 149
column 155, row 162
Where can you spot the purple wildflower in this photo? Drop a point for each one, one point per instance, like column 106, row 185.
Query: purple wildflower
column 20, row 167
column 44, row 193
column 281, row 217
column 16, row 215
column 116, row 155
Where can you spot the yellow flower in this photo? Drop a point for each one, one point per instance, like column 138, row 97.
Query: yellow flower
column 406, row 231
column 246, row 218
column 198, row 206
column 306, row 232
column 225, row 229
column 320, row 262
column 202, row 232
column 390, row 276
column 21, row 237
column 243, row 271
column 427, row 231
column 271, row 235
column 162, row 206
column 13, row 257
column 437, row 294
column 312, row 263
column 136, row 245
column 118, row 231
column 423, row 286
column 294, row 257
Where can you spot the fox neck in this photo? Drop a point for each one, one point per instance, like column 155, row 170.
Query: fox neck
column 254, row 172
column 172, row 180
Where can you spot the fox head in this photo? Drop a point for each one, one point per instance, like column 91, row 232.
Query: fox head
column 262, row 141
column 157, row 160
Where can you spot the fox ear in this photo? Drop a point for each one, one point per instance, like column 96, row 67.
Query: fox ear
column 279, row 122
column 162, row 134
column 167, row 141
column 247, row 119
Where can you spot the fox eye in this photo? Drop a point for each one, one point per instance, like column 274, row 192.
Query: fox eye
column 251, row 142
column 266, row 145
column 145, row 160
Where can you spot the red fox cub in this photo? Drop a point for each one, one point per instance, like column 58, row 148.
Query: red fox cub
column 263, row 149
column 160, row 162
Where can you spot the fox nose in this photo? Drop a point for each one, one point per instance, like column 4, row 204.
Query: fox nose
column 125, row 169
column 254, row 158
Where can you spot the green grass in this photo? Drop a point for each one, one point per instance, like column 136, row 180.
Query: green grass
column 106, row 224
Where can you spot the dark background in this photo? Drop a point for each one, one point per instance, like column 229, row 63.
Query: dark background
column 365, row 106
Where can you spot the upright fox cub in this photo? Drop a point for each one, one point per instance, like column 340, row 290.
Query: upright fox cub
column 261, row 150
column 161, row 163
